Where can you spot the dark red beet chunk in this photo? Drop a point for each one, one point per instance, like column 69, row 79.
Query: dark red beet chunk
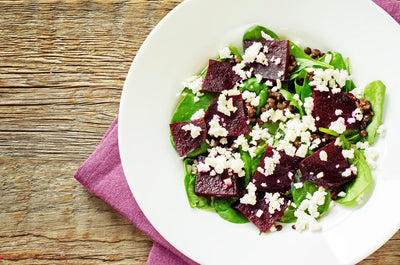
column 281, row 179
column 183, row 140
column 207, row 185
column 278, row 60
column 236, row 124
column 332, row 169
column 266, row 220
column 326, row 105
column 219, row 77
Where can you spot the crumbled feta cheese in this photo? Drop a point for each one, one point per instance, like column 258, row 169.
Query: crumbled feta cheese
column 338, row 142
column 341, row 194
column 298, row 185
column 194, row 83
column 270, row 163
column 266, row 37
column 371, row 156
column 338, row 112
column 357, row 114
column 346, row 173
column 362, row 145
column 225, row 53
column 328, row 58
column 259, row 213
column 225, row 106
column 323, row 156
column 320, row 175
column 381, row 130
column 198, row 115
column 195, row 131
column 275, row 201
column 302, row 151
column 310, row 204
column 251, row 52
column 308, row 105
column 357, row 92
column 250, row 196
column 338, row 126
column 348, row 153
column 216, row 129
column 241, row 141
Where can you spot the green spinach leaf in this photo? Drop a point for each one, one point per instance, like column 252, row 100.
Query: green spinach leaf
column 223, row 206
column 254, row 33
column 374, row 92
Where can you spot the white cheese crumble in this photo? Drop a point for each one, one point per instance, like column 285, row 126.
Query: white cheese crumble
column 338, row 126
column 194, row 83
column 371, row 156
column 225, row 105
column 381, row 130
column 341, row 194
column 348, row 153
column 198, row 115
column 216, row 129
column 225, row 53
column 323, row 80
column 195, row 131
column 298, row 185
column 259, row 213
column 346, row 173
column 275, row 201
column 266, row 36
column 323, row 156
column 251, row 52
column 250, row 196
column 310, row 204
column 357, row 114
column 338, row 112
column 320, row 175
column 270, row 163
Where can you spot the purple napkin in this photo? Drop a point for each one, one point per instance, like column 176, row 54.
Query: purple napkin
column 103, row 176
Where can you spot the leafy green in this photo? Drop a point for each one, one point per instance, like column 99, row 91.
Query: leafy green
column 235, row 52
column 288, row 215
column 187, row 108
column 289, row 96
column 252, row 85
column 190, row 181
column 223, row 206
column 303, row 61
column 254, row 33
column 328, row 131
column 363, row 183
column 374, row 92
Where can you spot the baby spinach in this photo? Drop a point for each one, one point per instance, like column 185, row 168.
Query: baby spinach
column 254, row 33
column 374, row 92
column 235, row 52
column 186, row 108
column 303, row 61
column 362, row 184
column 289, row 96
column 223, row 206
column 190, row 181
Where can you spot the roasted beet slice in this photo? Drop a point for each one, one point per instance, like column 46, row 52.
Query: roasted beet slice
column 210, row 183
column 277, row 58
column 329, row 107
column 283, row 172
column 327, row 168
column 188, row 135
column 219, row 77
column 260, row 214
column 236, row 124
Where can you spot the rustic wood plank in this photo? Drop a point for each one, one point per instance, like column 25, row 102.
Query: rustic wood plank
column 62, row 68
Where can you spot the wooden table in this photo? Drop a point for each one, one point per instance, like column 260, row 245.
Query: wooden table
column 62, row 68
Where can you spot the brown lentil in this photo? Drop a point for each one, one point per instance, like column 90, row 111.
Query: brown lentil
column 363, row 133
column 307, row 50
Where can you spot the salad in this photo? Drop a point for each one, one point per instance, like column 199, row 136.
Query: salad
column 276, row 134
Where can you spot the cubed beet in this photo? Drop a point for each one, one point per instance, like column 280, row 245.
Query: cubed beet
column 278, row 60
column 281, row 179
column 328, row 107
column 219, row 77
column 183, row 139
column 327, row 168
column 218, row 185
column 259, row 213
column 236, row 124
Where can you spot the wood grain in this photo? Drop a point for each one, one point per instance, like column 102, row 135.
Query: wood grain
column 62, row 68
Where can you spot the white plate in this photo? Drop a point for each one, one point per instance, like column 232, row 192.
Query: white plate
column 179, row 47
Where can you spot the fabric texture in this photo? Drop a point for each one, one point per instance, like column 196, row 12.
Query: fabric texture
column 103, row 176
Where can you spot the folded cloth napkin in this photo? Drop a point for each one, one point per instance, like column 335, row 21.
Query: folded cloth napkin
column 103, row 176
